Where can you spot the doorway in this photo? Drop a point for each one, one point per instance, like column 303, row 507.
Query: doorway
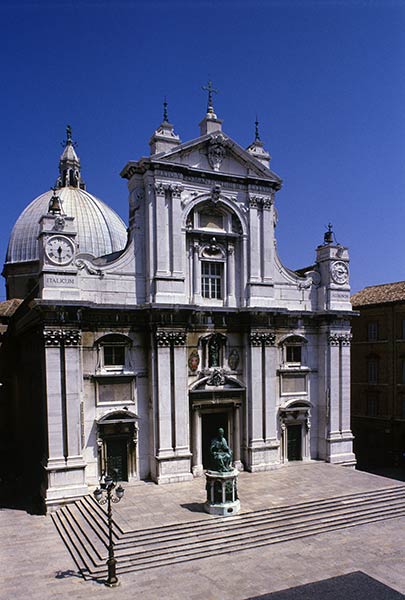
column 117, row 458
column 211, row 422
column 294, row 442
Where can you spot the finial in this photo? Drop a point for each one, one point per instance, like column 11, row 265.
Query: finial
column 68, row 141
column 165, row 116
column 257, row 136
column 208, row 88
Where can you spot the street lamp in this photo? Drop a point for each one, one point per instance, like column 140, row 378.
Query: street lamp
column 104, row 495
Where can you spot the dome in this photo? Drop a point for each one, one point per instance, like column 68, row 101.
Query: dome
column 99, row 229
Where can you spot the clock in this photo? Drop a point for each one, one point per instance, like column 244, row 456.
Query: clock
column 339, row 272
column 59, row 250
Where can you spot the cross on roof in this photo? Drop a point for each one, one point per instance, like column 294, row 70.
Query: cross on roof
column 208, row 88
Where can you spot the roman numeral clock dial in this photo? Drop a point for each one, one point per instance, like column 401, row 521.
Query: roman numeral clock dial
column 59, row 250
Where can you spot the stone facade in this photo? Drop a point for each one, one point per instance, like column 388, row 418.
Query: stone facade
column 142, row 354
column 378, row 375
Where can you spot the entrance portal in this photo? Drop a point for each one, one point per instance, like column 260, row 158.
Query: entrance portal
column 117, row 458
column 211, row 422
column 294, row 436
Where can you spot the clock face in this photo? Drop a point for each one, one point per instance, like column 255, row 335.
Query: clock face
column 59, row 250
column 339, row 272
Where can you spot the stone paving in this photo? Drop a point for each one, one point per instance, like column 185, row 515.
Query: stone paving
column 35, row 563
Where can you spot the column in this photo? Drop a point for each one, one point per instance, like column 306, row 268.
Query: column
column 164, row 403
column 196, row 273
column 256, row 390
column 53, row 370
column 73, row 393
column 197, row 442
column 231, row 275
column 345, row 384
column 268, row 239
column 271, row 389
column 334, row 385
column 236, row 437
column 178, row 238
column 181, row 405
column 162, row 230
column 254, row 258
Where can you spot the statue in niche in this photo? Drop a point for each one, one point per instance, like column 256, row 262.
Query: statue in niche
column 213, row 352
column 221, row 454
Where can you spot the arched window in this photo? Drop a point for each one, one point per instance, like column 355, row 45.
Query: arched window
column 213, row 238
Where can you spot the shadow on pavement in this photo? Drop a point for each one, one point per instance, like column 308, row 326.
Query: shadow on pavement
column 353, row 586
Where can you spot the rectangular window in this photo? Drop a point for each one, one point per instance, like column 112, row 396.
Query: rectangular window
column 372, row 370
column 211, row 279
column 293, row 354
column 114, row 356
column 372, row 406
column 372, row 331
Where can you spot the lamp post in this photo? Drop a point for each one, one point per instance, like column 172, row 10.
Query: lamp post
column 104, row 495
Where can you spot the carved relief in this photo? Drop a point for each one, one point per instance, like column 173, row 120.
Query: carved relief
column 216, row 379
column 193, row 361
column 216, row 152
column 233, row 359
column 59, row 224
column 215, row 193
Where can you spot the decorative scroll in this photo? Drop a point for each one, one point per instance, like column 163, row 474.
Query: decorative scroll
column 257, row 338
column 81, row 263
column 170, row 338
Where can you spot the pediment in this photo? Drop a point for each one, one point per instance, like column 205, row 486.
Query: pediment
column 217, row 153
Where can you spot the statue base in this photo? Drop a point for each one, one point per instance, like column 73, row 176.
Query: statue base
column 222, row 493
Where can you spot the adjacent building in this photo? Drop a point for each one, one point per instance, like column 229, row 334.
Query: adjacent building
column 133, row 345
column 378, row 375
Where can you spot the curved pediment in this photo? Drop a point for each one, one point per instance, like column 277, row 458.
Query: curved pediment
column 217, row 379
column 118, row 416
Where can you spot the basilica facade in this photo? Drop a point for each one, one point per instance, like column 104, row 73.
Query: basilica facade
column 134, row 344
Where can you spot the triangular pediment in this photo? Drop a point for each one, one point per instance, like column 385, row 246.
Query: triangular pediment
column 217, row 153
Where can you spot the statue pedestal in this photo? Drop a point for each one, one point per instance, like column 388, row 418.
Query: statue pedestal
column 222, row 494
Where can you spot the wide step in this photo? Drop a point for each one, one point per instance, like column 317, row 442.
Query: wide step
column 82, row 527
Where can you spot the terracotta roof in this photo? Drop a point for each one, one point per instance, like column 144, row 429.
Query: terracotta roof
column 8, row 308
column 380, row 294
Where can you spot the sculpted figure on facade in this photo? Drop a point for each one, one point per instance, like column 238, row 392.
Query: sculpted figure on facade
column 221, row 454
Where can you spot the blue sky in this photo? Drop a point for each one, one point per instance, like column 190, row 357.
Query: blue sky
column 326, row 79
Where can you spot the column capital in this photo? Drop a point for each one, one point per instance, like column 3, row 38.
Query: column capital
column 166, row 338
column 259, row 338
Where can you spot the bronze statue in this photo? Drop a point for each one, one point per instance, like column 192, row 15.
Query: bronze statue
column 221, row 454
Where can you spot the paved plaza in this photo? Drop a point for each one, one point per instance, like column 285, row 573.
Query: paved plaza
column 35, row 563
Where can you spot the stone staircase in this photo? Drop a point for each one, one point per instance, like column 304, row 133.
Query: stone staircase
column 82, row 526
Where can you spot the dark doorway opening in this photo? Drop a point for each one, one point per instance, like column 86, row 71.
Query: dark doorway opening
column 294, row 442
column 117, row 458
column 211, row 422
